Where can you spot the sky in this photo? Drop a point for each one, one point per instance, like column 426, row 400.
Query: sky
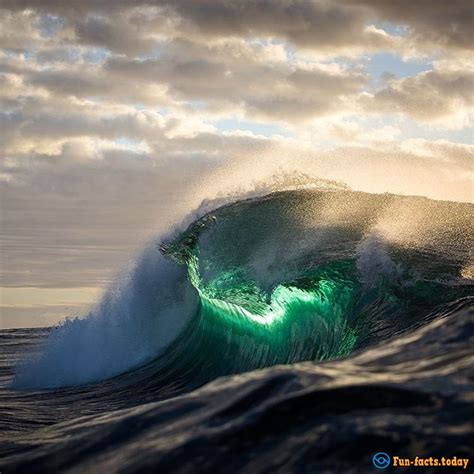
column 118, row 118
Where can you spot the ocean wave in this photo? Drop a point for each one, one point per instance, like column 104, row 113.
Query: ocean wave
column 306, row 274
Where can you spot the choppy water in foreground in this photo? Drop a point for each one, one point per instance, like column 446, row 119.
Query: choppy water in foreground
column 303, row 331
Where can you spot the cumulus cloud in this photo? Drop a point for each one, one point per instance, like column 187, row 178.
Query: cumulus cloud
column 131, row 27
column 436, row 23
column 429, row 96
column 272, row 88
column 322, row 25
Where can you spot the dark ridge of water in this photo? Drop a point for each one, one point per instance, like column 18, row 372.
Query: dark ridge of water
column 410, row 396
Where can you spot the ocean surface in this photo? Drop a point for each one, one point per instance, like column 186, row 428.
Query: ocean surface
column 300, row 331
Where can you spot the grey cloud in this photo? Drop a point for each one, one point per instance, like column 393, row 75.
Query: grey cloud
column 243, row 78
column 308, row 24
column 427, row 96
column 112, row 32
column 59, row 54
column 320, row 25
column 443, row 23
column 19, row 30
column 88, row 81
column 239, row 80
column 26, row 131
column 275, row 91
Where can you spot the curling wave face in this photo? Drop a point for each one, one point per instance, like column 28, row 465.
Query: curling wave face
column 290, row 277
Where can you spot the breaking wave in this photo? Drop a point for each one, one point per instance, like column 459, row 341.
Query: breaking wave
column 300, row 275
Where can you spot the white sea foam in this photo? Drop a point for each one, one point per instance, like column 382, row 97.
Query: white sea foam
column 137, row 318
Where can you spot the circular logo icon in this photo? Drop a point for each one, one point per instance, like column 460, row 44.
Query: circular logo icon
column 381, row 460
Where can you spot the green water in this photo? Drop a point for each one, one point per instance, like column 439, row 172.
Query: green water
column 298, row 320
column 278, row 281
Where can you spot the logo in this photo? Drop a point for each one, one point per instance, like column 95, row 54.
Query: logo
column 381, row 460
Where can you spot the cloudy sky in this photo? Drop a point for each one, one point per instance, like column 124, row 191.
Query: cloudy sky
column 118, row 117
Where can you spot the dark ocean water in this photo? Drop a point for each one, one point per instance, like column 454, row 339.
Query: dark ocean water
column 303, row 331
